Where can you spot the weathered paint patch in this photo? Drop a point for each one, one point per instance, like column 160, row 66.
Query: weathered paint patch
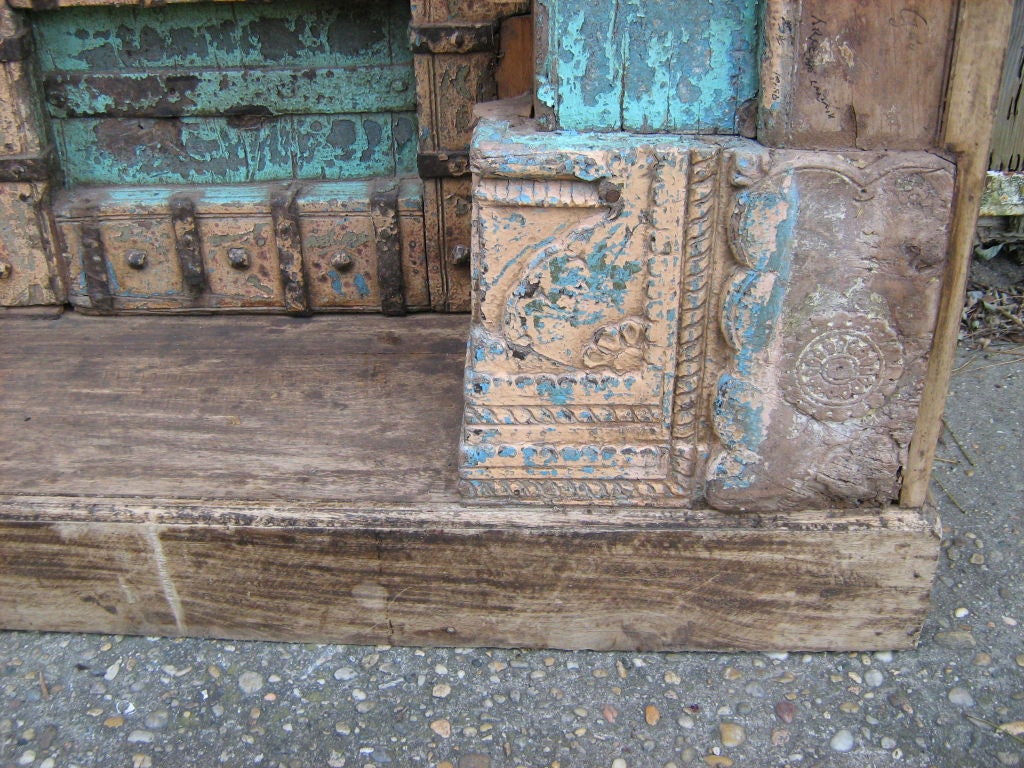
column 228, row 150
column 682, row 65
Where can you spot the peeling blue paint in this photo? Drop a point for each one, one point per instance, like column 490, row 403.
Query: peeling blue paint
column 677, row 65
column 361, row 286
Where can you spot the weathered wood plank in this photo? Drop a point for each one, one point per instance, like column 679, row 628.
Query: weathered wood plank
column 302, row 33
column 982, row 30
column 1007, row 152
column 452, row 575
column 682, row 66
column 858, row 75
column 226, row 91
column 243, row 408
column 228, row 150
column 515, row 59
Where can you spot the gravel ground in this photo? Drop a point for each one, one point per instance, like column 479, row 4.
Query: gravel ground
column 93, row 700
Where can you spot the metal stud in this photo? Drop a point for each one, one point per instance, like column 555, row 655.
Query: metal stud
column 342, row 262
column 239, row 258
column 460, row 255
column 5, row 270
column 136, row 259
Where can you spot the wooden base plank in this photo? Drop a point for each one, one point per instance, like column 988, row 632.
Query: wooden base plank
column 280, row 479
column 456, row 575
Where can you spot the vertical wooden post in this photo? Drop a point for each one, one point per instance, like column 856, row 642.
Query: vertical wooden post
column 979, row 48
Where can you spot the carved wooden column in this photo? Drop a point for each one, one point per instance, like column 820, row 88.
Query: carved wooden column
column 664, row 315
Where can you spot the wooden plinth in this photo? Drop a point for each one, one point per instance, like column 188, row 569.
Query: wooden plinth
column 281, row 479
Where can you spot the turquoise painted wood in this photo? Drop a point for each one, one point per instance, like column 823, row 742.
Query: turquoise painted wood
column 316, row 33
column 679, row 66
column 225, row 93
column 219, row 150
column 206, row 92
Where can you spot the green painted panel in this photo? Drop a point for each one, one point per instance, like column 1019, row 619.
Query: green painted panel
column 102, row 151
column 319, row 33
column 678, row 65
column 231, row 91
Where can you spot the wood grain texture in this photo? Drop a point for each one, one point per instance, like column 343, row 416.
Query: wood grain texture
column 515, row 62
column 982, row 30
column 451, row 575
column 867, row 75
column 1007, row 151
column 346, row 407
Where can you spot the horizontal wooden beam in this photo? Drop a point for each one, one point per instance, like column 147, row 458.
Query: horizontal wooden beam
column 253, row 91
column 459, row 575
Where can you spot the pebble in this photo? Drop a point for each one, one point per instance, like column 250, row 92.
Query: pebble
column 1008, row 758
column 442, row 728
column 842, row 741
column 957, row 639
column 651, row 714
column 981, row 660
column 732, row 734
column 960, row 613
column 27, row 757
column 250, row 682
column 685, row 721
column 884, row 656
column 343, row 728
column 344, row 673
column 874, row 678
column 888, row 742
column 140, row 737
column 672, row 678
column 618, row 762
column 785, row 711
column 158, row 719
column 441, row 690
column 116, row 721
column 48, row 763
column 1020, row 660
column 718, row 760
column 961, row 697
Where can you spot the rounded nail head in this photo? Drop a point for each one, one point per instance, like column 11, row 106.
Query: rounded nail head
column 5, row 270
column 609, row 192
column 460, row 255
column 136, row 259
column 341, row 261
column 239, row 258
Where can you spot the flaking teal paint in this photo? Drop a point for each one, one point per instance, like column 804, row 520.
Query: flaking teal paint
column 339, row 73
column 677, row 65
column 102, row 151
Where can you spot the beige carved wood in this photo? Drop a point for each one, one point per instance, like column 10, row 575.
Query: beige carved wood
column 670, row 319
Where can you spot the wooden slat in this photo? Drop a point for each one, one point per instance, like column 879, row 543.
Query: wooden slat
column 224, row 91
column 982, row 30
column 515, row 63
column 444, row 574
column 297, row 33
column 193, row 150
column 1007, row 152
column 239, row 408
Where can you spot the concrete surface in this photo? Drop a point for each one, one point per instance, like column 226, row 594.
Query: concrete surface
column 91, row 700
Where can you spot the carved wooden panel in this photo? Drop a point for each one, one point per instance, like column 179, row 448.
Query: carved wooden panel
column 665, row 319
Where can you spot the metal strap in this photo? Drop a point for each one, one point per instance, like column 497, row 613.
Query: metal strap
column 384, row 213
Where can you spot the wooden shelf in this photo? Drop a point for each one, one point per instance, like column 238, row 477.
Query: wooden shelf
column 282, row 479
